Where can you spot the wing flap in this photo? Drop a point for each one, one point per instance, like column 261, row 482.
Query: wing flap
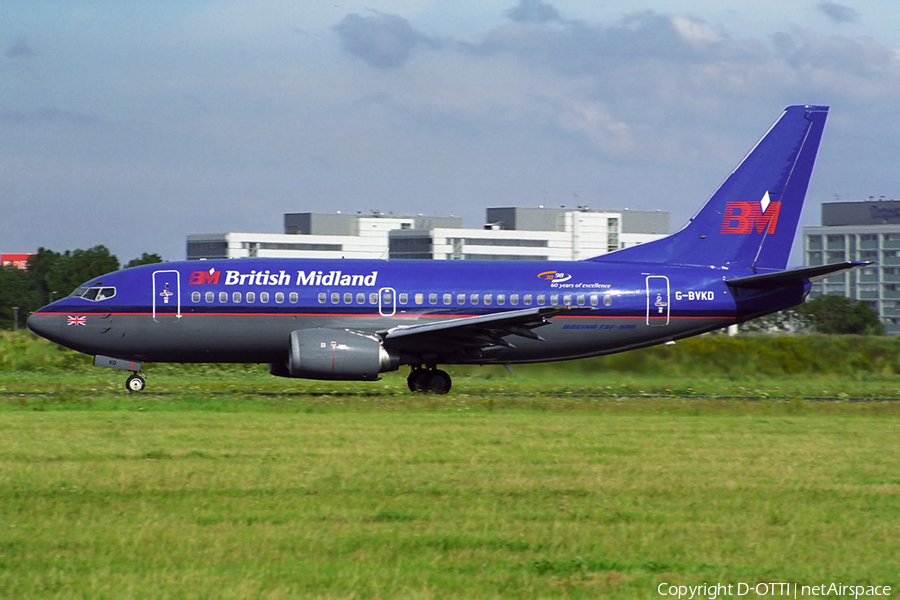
column 513, row 322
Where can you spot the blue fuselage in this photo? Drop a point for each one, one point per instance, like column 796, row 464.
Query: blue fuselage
column 244, row 310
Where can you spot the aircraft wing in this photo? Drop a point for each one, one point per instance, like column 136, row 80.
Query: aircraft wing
column 467, row 334
column 780, row 278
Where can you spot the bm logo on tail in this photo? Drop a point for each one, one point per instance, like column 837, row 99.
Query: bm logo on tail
column 750, row 217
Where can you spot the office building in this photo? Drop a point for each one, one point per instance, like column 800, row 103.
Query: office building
column 868, row 231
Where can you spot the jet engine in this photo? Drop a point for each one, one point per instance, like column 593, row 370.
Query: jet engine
column 335, row 354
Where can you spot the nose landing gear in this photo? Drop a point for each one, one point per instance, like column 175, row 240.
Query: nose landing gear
column 428, row 380
column 135, row 383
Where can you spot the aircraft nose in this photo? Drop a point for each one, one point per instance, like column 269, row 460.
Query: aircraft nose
column 46, row 326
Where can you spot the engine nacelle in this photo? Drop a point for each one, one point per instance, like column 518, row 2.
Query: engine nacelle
column 336, row 354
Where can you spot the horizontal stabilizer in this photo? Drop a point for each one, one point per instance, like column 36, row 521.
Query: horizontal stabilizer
column 780, row 278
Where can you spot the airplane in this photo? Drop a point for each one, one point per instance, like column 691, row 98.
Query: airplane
column 343, row 319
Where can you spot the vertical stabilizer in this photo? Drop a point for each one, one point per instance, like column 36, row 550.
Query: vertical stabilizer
column 750, row 221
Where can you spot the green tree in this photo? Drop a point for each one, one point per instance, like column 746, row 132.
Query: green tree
column 15, row 291
column 145, row 259
column 838, row 314
column 49, row 277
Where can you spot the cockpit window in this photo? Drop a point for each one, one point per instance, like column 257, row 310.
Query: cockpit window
column 94, row 294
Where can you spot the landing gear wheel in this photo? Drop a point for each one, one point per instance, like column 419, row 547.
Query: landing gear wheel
column 438, row 382
column 431, row 381
column 417, row 379
column 135, row 383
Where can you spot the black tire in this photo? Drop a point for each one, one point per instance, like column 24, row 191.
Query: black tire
column 438, row 382
column 417, row 380
column 135, row 383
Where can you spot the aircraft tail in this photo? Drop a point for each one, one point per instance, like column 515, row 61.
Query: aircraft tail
column 751, row 220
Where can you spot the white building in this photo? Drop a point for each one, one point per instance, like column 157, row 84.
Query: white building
column 511, row 234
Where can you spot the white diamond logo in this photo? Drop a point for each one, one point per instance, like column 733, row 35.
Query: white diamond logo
column 765, row 202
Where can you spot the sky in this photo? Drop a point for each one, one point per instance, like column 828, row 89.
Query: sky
column 133, row 124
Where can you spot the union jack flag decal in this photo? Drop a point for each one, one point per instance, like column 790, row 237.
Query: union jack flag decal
column 77, row 321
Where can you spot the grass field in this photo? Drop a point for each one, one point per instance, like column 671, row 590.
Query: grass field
column 560, row 482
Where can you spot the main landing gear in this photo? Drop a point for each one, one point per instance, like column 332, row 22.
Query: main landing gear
column 135, row 383
column 428, row 380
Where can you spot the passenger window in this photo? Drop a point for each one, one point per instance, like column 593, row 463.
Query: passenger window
column 448, row 299
column 223, row 297
column 236, row 297
column 420, row 298
column 567, row 299
column 501, row 299
column 594, row 300
column 335, row 297
column 348, row 297
column 322, row 297
column 195, row 297
column 527, row 299
column 264, row 297
column 360, row 298
column 541, row 299
column 432, row 298
column 293, row 297
column 488, row 299
column 607, row 300
column 279, row 297
column 580, row 299
column 460, row 298
column 251, row 296
column 473, row 298
column 514, row 299
column 210, row 297
column 554, row 299
column 373, row 298
column 404, row 298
